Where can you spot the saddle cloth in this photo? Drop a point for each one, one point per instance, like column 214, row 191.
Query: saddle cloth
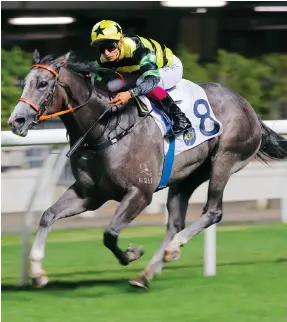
column 193, row 101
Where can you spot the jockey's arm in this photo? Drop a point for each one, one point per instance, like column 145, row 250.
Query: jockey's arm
column 149, row 71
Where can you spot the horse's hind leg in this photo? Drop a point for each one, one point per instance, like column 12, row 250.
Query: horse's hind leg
column 178, row 197
column 224, row 164
column 69, row 204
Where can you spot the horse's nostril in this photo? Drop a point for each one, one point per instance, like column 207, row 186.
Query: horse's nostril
column 19, row 122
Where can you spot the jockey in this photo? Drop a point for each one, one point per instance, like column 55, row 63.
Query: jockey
column 154, row 67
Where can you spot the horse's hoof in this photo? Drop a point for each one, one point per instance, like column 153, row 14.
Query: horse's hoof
column 40, row 281
column 134, row 252
column 139, row 282
column 171, row 255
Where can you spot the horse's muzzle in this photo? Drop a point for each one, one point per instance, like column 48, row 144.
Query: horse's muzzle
column 19, row 125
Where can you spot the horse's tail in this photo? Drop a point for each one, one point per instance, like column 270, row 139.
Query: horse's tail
column 273, row 146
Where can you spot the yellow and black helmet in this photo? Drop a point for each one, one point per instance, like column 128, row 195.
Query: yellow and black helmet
column 106, row 30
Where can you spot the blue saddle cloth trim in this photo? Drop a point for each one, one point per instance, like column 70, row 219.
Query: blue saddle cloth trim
column 167, row 164
column 169, row 157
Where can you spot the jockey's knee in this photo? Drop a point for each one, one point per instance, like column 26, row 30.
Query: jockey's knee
column 157, row 94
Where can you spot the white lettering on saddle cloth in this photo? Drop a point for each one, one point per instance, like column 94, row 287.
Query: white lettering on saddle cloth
column 192, row 100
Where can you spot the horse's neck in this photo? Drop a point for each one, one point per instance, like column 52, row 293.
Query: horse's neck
column 78, row 122
column 72, row 127
column 112, row 123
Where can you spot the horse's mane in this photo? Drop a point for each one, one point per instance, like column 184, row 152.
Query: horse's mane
column 73, row 65
column 48, row 59
column 81, row 67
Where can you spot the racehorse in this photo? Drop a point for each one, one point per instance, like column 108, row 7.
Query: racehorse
column 118, row 142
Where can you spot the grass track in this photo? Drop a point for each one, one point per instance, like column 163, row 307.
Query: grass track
column 87, row 283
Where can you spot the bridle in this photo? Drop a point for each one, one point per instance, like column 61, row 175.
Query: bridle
column 47, row 101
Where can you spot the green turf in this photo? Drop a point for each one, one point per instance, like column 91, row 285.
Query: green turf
column 87, row 283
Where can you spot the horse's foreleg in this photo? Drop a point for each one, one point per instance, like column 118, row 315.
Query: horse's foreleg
column 69, row 204
column 177, row 206
column 131, row 205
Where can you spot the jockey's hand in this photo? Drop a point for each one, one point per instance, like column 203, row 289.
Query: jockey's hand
column 121, row 98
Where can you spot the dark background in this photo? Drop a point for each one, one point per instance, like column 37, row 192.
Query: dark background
column 235, row 27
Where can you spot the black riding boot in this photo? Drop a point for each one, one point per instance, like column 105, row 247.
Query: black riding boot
column 180, row 121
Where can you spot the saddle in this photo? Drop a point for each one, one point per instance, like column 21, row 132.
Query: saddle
column 142, row 107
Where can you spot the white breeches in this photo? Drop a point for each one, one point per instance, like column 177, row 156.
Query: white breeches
column 169, row 76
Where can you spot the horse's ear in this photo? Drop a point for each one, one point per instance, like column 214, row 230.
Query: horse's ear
column 72, row 54
column 36, row 56
column 62, row 60
column 67, row 56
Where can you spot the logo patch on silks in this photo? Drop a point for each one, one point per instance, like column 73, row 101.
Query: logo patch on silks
column 189, row 136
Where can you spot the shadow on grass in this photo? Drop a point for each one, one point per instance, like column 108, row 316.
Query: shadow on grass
column 66, row 285
column 119, row 283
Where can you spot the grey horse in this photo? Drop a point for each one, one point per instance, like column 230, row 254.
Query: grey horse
column 119, row 144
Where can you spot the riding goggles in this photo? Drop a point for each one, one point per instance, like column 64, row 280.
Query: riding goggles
column 108, row 45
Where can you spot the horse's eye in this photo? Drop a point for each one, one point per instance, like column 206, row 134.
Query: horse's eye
column 43, row 84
